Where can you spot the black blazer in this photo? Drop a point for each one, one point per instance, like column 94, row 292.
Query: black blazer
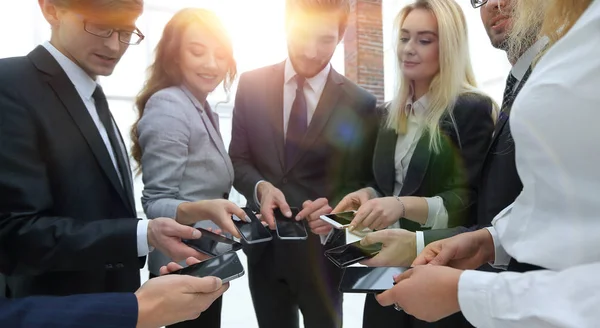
column 336, row 153
column 500, row 183
column 59, row 232
column 453, row 173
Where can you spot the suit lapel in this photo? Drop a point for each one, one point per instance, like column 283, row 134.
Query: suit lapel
column 214, row 134
column 274, row 104
column 64, row 89
column 417, row 167
column 326, row 106
column 384, row 166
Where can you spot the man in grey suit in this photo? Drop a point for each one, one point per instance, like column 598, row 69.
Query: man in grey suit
column 300, row 131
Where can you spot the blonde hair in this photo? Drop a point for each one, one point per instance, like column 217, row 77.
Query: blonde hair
column 165, row 71
column 554, row 17
column 454, row 78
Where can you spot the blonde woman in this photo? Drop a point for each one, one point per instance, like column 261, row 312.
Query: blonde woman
column 432, row 142
column 186, row 170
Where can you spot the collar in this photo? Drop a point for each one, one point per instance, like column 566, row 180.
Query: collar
column 524, row 62
column 316, row 82
column 83, row 83
column 417, row 107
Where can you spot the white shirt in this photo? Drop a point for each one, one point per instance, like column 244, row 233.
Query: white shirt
column 85, row 87
column 554, row 223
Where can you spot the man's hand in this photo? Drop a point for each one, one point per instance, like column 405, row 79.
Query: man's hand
column 427, row 292
column 399, row 248
column 166, row 234
column 312, row 211
column 218, row 211
column 464, row 251
column 270, row 199
column 355, row 200
column 378, row 213
column 170, row 299
column 173, row 266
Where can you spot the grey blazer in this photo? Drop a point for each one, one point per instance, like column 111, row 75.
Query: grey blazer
column 183, row 158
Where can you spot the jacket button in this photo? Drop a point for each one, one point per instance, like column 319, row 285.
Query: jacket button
column 109, row 266
column 226, row 195
column 120, row 266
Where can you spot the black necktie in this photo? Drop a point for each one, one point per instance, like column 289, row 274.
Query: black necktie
column 509, row 93
column 106, row 119
column 297, row 124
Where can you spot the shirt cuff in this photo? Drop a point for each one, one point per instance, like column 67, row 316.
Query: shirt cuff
column 143, row 248
column 256, row 193
column 473, row 297
column 437, row 216
column 501, row 257
column 420, row 242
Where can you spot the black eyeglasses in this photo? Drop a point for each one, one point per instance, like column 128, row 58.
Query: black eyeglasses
column 130, row 37
column 478, row 3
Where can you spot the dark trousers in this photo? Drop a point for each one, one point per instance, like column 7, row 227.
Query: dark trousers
column 287, row 276
column 377, row 316
column 211, row 318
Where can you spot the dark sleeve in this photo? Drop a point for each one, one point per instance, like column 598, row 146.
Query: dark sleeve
column 246, row 174
column 475, row 126
column 429, row 236
column 33, row 240
column 361, row 175
column 91, row 310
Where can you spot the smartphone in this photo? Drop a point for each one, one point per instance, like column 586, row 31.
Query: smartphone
column 289, row 228
column 352, row 253
column 369, row 279
column 252, row 229
column 226, row 266
column 339, row 220
column 213, row 244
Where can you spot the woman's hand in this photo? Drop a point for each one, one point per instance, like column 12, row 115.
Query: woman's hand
column 218, row 211
column 378, row 213
column 399, row 248
column 354, row 200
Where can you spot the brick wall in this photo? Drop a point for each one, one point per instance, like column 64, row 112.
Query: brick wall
column 364, row 46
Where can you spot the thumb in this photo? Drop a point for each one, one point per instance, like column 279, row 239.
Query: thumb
column 342, row 206
column 284, row 207
column 185, row 232
column 204, row 285
column 373, row 238
column 443, row 257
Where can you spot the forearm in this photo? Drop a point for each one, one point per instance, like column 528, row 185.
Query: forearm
column 37, row 244
column 535, row 299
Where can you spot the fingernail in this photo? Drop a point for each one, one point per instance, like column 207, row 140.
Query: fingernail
column 288, row 214
column 196, row 234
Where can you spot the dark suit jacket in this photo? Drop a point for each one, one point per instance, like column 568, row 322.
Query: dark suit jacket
column 94, row 311
column 60, row 226
column 453, row 173
column 335, row 156
column 500, row 183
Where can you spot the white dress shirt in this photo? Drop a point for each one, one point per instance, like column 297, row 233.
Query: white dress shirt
column 85, row 87
column 554, row 223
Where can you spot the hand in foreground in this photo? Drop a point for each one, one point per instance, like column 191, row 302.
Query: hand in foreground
column 218, row 211
column 399, row 248
column 355, row 200
column 312, row 211
column 170, row 299
column 378, row 213
column 427, row 292
column 270, row 199
column 166, row 234
column 464, row 251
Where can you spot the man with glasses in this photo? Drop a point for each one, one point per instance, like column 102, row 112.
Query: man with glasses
column 67, row 215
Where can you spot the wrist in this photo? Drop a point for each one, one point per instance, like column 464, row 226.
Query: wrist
column 261, row 189
column 145, row 310
column 183, row 215
column 486, row 242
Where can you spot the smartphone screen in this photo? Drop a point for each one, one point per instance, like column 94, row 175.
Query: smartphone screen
column 339, row 220
column 253, row 231
column 368, row 279
column 213, row 244
column 352, row 253
column 289, row 228
column 227, row 267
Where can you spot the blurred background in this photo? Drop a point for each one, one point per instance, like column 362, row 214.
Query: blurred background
column 257, row 30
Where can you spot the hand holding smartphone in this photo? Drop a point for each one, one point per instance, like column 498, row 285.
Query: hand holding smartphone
column 226, row 267
column 369, row 279
column 213, row 244
column 340, row 220
column 289, row 228
column 346, row 255
column 251, row 228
